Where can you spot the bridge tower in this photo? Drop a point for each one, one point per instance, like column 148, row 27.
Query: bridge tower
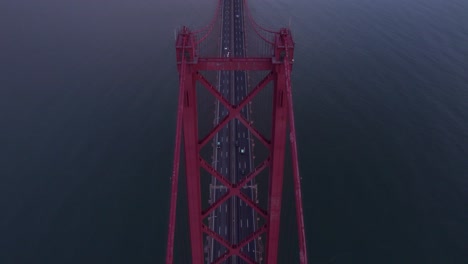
column 278, row 64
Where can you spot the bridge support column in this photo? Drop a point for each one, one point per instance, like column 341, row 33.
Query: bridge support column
column 185, row 52
column 190, row 67
column 278, row 144
column 192, row 163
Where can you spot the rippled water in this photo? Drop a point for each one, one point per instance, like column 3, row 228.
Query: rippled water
column 87, row 108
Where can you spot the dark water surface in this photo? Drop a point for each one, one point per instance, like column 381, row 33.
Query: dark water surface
column 88, row 93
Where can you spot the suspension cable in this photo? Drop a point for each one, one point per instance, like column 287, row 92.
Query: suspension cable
column 212, row 20
column 210, row 26
column 253, row 20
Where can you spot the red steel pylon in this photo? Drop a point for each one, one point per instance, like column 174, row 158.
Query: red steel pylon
column 190, row 65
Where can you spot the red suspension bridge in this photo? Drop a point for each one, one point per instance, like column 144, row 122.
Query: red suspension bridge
column 232, row 73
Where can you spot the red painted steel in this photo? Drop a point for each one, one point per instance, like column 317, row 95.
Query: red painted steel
column 175, row 173
column 207, row 30
column 295, row 162
column 234, row 111
column 192, row 165
column 280, row 66
column 234, row 64
column 277, row 169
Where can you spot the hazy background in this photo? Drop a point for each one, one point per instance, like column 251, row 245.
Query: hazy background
column 88, row 94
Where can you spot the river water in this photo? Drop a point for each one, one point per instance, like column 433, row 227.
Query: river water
column 88, row 94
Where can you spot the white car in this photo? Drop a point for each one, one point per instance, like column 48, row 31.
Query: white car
column 242, row 150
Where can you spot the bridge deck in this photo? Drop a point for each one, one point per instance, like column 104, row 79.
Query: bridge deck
column 234, row 220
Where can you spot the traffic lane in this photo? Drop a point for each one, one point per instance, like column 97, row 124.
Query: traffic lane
column 247, row 214
column 221, row 221
column 219, row 218
column 246, row 224
column 222, row 216
column 224, row 148
column 247, row 229
column 237, row 47
column 222, row 211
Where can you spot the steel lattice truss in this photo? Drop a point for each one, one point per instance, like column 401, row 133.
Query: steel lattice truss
column 278, row 65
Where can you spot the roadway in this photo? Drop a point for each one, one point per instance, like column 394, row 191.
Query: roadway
column 246, row 215
column 233, row 220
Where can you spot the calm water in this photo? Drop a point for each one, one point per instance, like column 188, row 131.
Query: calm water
column 87, row 112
